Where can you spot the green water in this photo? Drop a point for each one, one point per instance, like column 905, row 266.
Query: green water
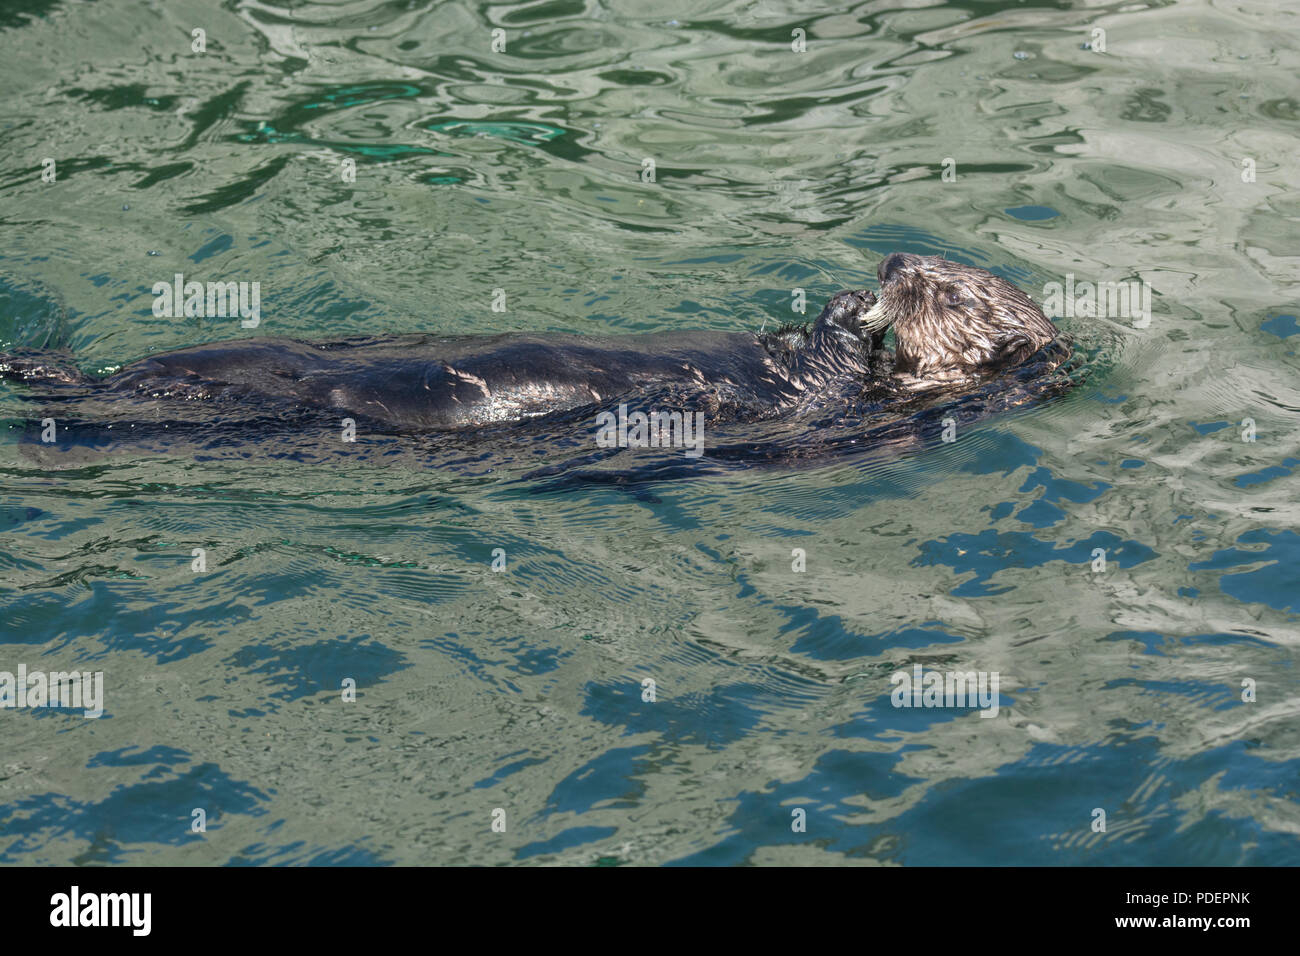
column 523, row 170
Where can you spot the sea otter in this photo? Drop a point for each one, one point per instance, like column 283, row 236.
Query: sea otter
column 953, row 324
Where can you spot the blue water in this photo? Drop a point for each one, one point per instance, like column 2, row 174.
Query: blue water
column 1158, row 690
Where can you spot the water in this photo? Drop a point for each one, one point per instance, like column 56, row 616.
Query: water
column 1120, row 690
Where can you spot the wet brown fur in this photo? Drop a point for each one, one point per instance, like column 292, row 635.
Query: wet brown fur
column 953, row 323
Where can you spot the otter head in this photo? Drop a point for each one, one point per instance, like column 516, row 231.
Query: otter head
column 953, row 322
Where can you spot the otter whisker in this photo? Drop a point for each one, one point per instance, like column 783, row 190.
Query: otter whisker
column 877, row 318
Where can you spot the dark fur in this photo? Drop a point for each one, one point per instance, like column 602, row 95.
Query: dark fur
column 426, row 382
column 953, row 324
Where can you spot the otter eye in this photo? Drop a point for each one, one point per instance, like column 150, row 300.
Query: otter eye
column 955, row 298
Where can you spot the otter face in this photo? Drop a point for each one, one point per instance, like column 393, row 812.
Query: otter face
column 953, row 322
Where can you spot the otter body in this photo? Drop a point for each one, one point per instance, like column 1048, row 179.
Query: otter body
column 431, row 383
column 954, row 326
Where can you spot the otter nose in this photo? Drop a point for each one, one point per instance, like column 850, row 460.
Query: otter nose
column 891, row 264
